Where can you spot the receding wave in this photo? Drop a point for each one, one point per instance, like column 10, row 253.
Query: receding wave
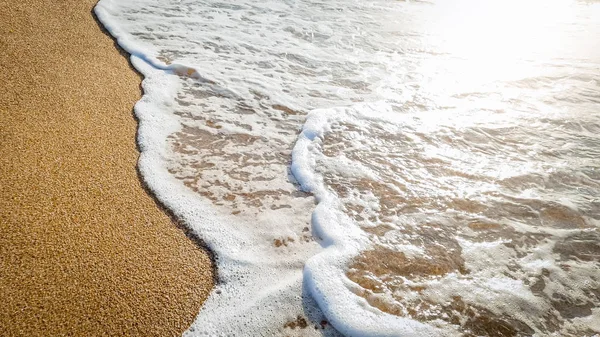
column 379, row 168
column 469, row 240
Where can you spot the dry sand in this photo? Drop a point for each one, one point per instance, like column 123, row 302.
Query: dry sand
column 84, row 250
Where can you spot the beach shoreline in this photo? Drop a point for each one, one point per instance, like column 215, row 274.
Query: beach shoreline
column 84, row 248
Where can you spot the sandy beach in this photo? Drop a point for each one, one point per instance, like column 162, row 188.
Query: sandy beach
column 84, row 249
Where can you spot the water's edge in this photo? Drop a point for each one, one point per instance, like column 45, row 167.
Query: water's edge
column 191, row 235
column 239, row 277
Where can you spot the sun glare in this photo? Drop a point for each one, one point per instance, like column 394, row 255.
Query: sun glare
column 489, row 41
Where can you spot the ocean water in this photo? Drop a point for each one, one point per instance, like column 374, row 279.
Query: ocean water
column 378, row 168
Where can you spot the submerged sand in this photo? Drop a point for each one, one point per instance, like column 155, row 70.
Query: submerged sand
column 84, row 250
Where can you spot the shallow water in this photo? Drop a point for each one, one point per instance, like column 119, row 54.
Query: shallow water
column 445, row 180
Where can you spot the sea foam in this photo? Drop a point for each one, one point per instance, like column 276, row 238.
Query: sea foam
column 341, row 238
column 455, row 186
column 259, row 287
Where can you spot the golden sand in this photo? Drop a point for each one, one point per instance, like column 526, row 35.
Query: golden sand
column 84, row 250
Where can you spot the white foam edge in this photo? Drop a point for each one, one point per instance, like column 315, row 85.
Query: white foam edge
column 324, row 273
column 223, row 313
column 104, row 11
column 155, row 123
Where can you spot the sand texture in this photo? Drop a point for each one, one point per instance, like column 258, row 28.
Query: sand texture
column 84, row 250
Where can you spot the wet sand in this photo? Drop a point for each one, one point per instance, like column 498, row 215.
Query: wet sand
column 84, row 250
